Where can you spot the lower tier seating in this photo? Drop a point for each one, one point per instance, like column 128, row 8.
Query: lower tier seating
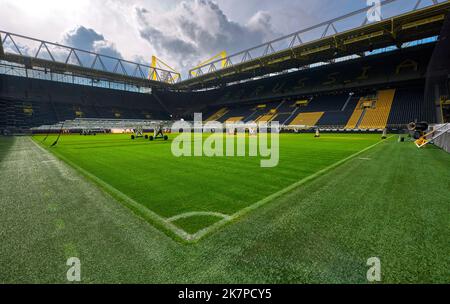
column 307, row 119
column 377, row 117
column 384, row 108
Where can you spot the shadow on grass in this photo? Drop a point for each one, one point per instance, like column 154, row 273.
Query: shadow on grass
column 6, row 143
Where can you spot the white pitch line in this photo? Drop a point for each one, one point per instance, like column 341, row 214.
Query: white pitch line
column 192, row 238
column 202, row 233
column 49, row 161
column 197, row 213
column 58, row 164
column 139, row 209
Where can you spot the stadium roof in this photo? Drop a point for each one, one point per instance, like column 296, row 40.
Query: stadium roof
column 57, row 58
column 415, row 25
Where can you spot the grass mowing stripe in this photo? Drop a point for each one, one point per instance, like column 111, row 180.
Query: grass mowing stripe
column 167, row 225
column 137, row 208
column 204, row 232
column 152, row 176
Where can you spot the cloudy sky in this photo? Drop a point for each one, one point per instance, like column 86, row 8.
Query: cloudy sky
column 182, row 33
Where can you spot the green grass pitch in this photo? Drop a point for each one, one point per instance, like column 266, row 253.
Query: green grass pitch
column 191, row 194
column 390, row 201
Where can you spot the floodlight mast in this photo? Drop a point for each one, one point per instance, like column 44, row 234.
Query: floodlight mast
column 164, row 77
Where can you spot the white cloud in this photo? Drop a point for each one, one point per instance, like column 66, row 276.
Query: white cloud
column 195, row 30
column 89, row 40
column 182, row 33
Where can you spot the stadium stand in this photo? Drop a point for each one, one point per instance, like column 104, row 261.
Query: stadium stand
column 217, row 115
column 338, row 119
column 377, row 116
column 307, row 119
column 320, row 96
column 322, row 103
column 267, row 117
column 409, row 105
column 31, row 102
column 284, row 117
column 358, row 112
column 238, row 111
column 257, row 113
column 326, row 89
column 235, row 119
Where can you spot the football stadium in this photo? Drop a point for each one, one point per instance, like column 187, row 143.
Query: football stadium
column 317, row 156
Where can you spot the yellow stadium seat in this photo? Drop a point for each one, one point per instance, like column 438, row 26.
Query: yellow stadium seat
column 234, row 119
column 307, row 119
column 377, row 118
column 217, row 115
column 353, row 121
column 267, row 117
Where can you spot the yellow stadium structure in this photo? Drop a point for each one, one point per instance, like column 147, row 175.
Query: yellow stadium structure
column 234, row 119
column 267, row 117
column 217, row 115
column 377, row 118
column 354, row 119
column 372, row 113
column 307, row 119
